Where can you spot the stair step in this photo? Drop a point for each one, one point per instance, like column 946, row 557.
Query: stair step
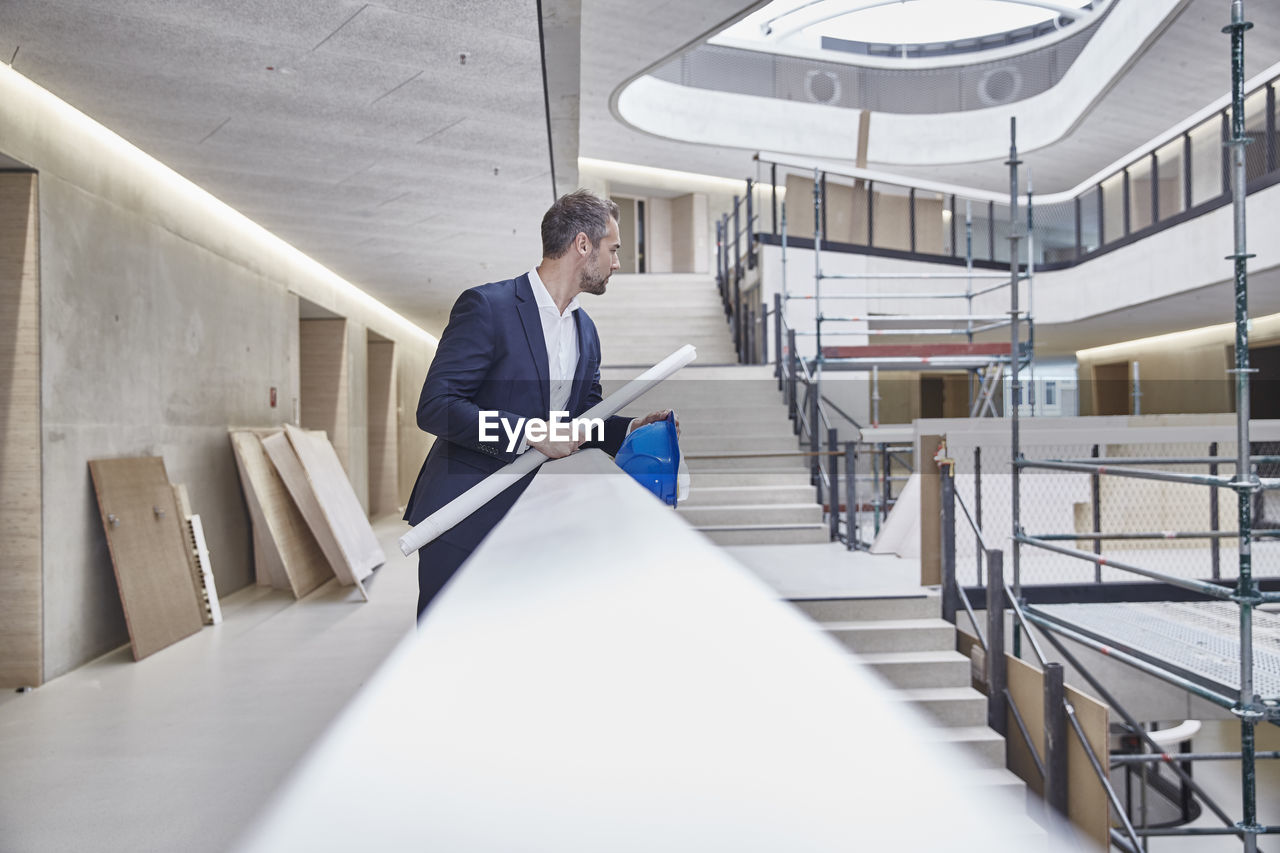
column 1001, row 779
column 644, row 358
column 696, row 422
column 693, row 442
column 921, row 606
column 747, row 477
column 894, row 635
column 950, row 706
column 750, row 463
column 639, row 327
column 752, row 495
column 783, row 534
column 978, row 741
column 920, row 669
column 714, row 399
column 691, row 309
column 758, row 515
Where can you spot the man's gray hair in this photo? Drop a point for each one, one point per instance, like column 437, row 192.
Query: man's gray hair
column 579, row 212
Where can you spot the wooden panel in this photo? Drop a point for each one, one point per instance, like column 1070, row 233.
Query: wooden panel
column 268, row 565
column 1026, row 686
column 324, row 402
column 383, row 448
column 294, row 476
column 843, row 214
column 337, row 501
column 1087, row 803
column 144, row 532
column 930, row 225
column 281, row 534
column 930, row 512
column 21, row 570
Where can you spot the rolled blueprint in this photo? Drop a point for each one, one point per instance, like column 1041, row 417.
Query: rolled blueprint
column 504, row 478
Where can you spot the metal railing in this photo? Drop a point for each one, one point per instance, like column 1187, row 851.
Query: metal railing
column 1050, row 760
column 924, row 220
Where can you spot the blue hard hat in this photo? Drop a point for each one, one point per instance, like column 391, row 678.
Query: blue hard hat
column 651, row 455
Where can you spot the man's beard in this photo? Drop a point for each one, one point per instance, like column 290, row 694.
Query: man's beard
column 593, row 282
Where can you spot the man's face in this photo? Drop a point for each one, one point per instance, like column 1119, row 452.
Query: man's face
column 602, row 261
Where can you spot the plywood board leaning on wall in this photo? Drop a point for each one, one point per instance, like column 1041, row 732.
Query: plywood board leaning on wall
column 21, row 571
column 284, row 532
column 255, row 480
column 337, row 500
column 144, row 533
column 289, row 467
column 1087, row 804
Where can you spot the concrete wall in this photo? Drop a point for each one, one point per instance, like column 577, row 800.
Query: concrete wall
column 690, row 244
column 166, row 317
column 658, row 251
column 21, row 536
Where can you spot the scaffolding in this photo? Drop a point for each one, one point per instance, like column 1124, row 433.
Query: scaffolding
column 1239, row 677
column 985, row 361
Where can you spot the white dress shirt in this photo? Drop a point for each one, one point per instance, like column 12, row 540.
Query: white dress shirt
column 560, row 333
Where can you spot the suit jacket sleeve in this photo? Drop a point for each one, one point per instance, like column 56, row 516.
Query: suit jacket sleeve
column 463, row 359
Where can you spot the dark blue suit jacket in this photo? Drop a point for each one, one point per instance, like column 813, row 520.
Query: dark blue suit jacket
column 492, row 356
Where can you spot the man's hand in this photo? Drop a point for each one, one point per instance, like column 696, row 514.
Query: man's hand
column 652, row 417
column 554, row 449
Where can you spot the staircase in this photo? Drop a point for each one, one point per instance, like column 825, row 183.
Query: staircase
column 724, row 408
column 903, row 639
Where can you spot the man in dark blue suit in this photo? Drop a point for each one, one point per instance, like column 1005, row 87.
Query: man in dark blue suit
column 513, row 351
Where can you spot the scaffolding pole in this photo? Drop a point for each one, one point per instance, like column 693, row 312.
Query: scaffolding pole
column 1246, row 587
column 1244, row 704
column 1015, row 385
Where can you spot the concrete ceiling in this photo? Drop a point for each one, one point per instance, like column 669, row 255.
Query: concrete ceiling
column 1181, row 70
column 355, row 131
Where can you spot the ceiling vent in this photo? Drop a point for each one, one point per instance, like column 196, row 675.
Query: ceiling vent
column 822, row 87
column 999, row 86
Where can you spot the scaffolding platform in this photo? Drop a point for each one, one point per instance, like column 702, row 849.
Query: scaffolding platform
column 1198, row 641
column 911, row 356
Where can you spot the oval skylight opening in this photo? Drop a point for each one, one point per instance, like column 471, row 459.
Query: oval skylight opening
column 927, row 21
column 905, row 29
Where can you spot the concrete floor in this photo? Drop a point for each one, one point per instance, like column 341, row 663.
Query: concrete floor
column 179, row 751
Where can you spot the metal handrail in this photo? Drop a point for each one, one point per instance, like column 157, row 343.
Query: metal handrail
column 1026, row 734
column 1101, row 773
column 842, row 414
column 1021, row 616
column 977, row 531
column 1208, row 589
column 1110, row 461
column 1137, row 729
